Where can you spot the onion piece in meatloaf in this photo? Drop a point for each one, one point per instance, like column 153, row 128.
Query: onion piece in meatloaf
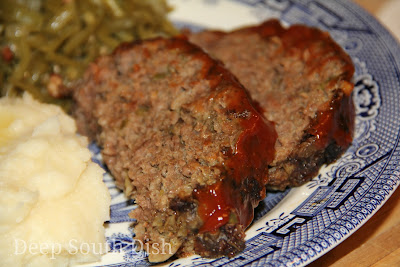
column 301, row 80
column 181, row 137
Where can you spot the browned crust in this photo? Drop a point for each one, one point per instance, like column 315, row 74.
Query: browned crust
column 227, row 242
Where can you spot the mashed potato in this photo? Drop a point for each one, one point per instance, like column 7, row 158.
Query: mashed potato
column 53, row 202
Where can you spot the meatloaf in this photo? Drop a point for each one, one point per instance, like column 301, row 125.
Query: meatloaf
column 180, row 135
column 301, row 80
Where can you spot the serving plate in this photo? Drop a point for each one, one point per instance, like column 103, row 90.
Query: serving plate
column 299, row 225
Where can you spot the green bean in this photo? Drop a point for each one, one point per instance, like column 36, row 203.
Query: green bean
column 29, row 18
column 64, row 36
column 116, row 10
column 78, row 39
column 60, row 20
column 55, row 43
column 61, row 59
column 24, row 51
column 103, row 35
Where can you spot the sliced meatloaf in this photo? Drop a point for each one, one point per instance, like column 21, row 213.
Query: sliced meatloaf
column 181, row 137
column 301, row 80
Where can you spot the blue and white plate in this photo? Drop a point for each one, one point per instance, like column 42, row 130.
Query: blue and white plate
column 299, row 225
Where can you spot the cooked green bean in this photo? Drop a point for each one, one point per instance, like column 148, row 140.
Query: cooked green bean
column 41, row 38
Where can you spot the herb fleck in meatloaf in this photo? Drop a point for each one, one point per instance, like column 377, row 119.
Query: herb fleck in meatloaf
column 301, row 79
column 180, row 136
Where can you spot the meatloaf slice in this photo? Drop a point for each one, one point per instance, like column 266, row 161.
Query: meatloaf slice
column 301, row 80
column 181, row 137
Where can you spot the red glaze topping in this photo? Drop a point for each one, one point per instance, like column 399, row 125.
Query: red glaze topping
column 213, row 207
column 254, row 149
column 240, row 191
column 336, row 123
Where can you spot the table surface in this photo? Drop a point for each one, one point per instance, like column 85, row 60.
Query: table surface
column 377, row 242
